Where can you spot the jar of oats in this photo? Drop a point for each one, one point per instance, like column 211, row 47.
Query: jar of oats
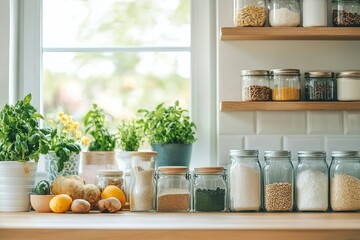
column 255, row 85
column 249, row 13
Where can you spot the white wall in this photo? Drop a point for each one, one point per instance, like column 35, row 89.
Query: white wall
column 4, row 51
column 301, row 130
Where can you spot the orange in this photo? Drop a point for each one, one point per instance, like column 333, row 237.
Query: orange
column 113, row 191
column 60, row 203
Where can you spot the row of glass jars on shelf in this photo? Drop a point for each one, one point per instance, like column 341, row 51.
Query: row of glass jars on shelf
column 247, row 187
column 285, row 85
column 287, row 13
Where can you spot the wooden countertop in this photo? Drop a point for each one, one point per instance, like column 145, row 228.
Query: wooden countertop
column 219, row 226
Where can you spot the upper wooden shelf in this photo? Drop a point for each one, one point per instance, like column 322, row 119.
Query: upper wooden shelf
column 290, row 33
column 288, row 106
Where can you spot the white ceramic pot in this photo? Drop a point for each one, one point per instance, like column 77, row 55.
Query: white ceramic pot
column 16, row 183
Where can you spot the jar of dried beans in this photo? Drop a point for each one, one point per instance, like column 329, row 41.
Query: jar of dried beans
column 278, row 181
column 284, row 13
column 285, row 84
column 345, row 181
column 319, row 86
column 312, row 181
column 105, row 178
column 249, row 13
column 173, row 189
column 244, row 181
column 255, row 85
column 346, row 13
column 209, row 189
column 142, row 187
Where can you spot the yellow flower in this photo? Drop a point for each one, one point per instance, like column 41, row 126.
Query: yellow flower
column 85, row 140
column 75, row 125
column 78, row 134
column 51, row 122
column 61, row 114
column 64, row 119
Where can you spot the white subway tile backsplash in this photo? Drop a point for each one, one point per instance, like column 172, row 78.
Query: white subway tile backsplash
column 352, row 122
column 237, row 123
column 341, row 143
column 279, row 122
column 263, row 143
column 303, row 143
column 325, row 122
column 227, row 143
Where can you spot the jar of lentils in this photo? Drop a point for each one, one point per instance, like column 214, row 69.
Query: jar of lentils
column 173, row 189
column 255, row 85
column 285, row 84
column 209, row 189
column 346, row 13
column 319, row 86
column 278, row 181
column 312, row 181
column 249, row 13
column 345, row 181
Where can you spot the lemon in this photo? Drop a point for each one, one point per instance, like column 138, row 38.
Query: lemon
column 60, row 203
column 113, row 191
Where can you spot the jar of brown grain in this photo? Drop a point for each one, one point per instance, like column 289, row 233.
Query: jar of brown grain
column 255, row 85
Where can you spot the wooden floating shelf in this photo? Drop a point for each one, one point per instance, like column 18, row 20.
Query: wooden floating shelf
column 288, row 106
column 290, row 33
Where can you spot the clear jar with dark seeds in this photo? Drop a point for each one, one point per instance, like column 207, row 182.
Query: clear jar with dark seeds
column 255, row 85
column 319, row 86
column 346, row 13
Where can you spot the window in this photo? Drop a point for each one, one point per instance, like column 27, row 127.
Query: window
column 121, row 54
column 183, row 59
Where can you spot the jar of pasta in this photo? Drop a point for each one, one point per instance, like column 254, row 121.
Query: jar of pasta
column 285, row 84
column 249, row 13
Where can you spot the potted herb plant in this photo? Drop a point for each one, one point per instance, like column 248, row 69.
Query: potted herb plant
column 64, row 147
column 171, row 133
column 101, row 150
column 21, row 142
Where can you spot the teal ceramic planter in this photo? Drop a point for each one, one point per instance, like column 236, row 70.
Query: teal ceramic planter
column 172, row 154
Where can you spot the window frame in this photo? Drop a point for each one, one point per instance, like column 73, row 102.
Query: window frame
column 203, row 69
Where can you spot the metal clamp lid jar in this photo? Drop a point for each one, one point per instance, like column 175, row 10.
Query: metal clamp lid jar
column 285, row 84
column 173, row 189
column 244, row 180
column 209, row 189
column 319, row 86
column 348, row 85
column 249, row 13
column 278, row 181
column 284, row 13
column 346, row 13
column 345, row 181
column 255, row 85
column 312, row 181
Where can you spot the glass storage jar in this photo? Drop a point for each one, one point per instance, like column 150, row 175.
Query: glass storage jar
column 346, row 13
column 209, row 189
column 285, row 84
column 255, row 85
column 142, row 187
column 173, row 189
column 278, row 182
column 348, row 85
column 345, row 181
column 244, row 181
column 319, row 86
column 314, row 13
column 284, row 13
column 105, row 178
column 249, row 13
column 312, row 181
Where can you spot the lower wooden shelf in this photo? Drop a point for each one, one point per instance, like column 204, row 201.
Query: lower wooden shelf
column 288, row 106
column 159, row 226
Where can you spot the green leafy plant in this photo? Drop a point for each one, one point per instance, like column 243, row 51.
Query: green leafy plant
column 65, row 138
column 129, row 135
column 95, row 124
column 21, row 138
column 168, row 125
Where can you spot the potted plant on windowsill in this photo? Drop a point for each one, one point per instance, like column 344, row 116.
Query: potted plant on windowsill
column 171, row 133
column 100, row 154
column 21, row 142
column 64, row 146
